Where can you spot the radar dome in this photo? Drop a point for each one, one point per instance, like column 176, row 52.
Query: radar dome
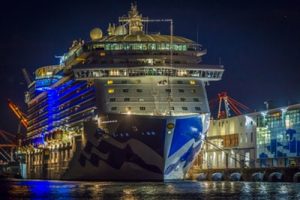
column 96, row 34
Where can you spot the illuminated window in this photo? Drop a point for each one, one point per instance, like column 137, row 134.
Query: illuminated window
column 192, row 82
column 109, row 82
column 102, row 54
column 111, row 91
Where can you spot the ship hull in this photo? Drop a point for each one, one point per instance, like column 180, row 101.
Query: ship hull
column 137, row 148
column 130, row 148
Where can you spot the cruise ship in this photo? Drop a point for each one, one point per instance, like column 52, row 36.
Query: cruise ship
column 127, row 105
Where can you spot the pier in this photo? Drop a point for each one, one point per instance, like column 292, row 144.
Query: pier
column 278, row 174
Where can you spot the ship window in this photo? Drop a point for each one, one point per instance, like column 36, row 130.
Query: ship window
column 126, row 99
column 139, row 90
column 124, row 82
column 142, row 108
column 141, row 99
column 184, row 108
column 179, row 82
column 128, row 108
column 172, row 108
column 192, row 82
column 111, row 91
column 197, row 108
column 125, row 90
column 181, row 90
column 138, row 81
column 109, row 82
column 113, row 108
column 112, row 99
column 193, row 91
column 168, row 90
column 196, row 99
column 182, row 99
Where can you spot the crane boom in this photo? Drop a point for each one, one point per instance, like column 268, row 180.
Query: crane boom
column 229, row 105
column 20, row 115
column 26, row 76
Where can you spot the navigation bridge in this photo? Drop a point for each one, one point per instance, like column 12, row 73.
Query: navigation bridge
column 207, row 73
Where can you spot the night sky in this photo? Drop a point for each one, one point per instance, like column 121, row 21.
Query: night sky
column 258, row 42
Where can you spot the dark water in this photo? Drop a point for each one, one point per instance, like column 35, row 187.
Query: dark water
column 15, row 189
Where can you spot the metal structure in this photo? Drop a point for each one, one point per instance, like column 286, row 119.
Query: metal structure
column 27, row 77
column 20, row 115
column 230, row 104
column 7, row 146
column 226, row 104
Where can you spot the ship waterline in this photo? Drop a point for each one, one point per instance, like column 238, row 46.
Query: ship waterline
column 126, row 106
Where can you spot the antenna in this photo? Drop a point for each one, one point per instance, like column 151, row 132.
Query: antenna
column 197, row 34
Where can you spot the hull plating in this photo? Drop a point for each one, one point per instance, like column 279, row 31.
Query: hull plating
column 134, row 148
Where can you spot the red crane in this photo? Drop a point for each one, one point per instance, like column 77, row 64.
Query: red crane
column 229, row 105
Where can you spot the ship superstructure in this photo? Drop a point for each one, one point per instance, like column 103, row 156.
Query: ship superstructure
column 128, row 105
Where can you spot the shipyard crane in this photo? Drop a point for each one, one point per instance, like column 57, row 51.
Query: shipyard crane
column 229, row 104
column 20, row 115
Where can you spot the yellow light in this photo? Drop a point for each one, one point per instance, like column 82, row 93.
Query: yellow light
column 170, row 125
column 192, row 82
column 111, row 91
column 102, row 54
column 109, row 82
column 181, row 73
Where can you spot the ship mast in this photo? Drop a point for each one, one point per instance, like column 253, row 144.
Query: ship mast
column 135, row 21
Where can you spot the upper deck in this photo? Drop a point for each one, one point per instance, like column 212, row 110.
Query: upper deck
column 128, row 50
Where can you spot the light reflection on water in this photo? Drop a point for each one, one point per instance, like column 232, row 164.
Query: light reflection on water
column 37, row 189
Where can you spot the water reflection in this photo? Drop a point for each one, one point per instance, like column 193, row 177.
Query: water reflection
column 135, row 191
